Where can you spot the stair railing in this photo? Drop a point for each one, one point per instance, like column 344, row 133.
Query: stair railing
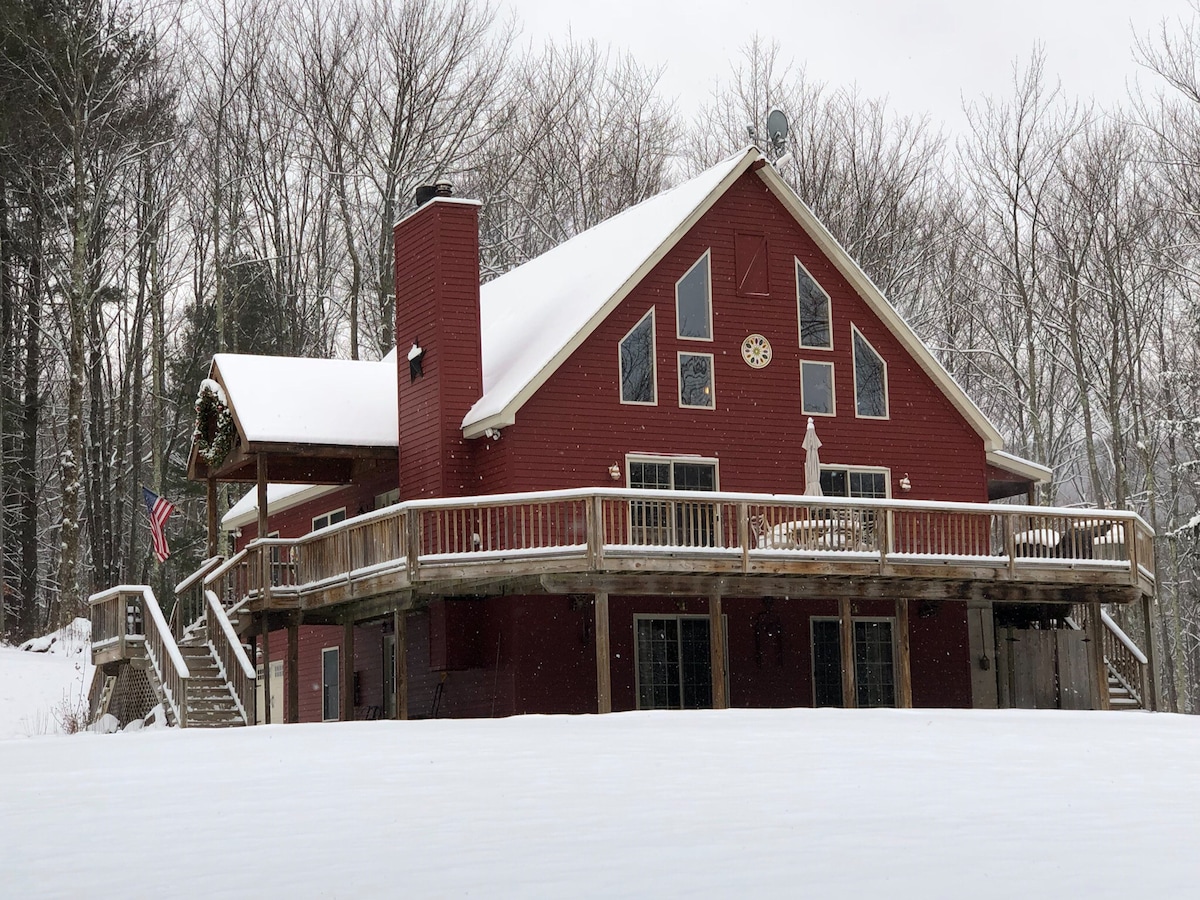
column 188, row 611
column 1125, row 659
column 232, row 662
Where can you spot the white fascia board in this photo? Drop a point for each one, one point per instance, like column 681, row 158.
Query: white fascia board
column 508, row 415
column 992, row 440
column 1026, row 468
column 232, row 523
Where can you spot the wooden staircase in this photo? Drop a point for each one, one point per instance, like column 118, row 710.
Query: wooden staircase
column 200, row 675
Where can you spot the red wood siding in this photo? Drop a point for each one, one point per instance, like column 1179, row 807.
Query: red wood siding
column 437, row 305
column 575, row 427
column 368, row 663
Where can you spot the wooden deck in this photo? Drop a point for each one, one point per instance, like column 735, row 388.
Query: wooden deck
column 687, row 543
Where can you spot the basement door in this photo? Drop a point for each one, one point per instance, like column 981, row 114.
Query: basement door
column 276, row 694
column 1046, row 668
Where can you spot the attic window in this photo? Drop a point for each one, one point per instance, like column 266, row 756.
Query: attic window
column 816, row 322
column 816, row 388
column 637, row 363
column 870, row 380
column 693, row 302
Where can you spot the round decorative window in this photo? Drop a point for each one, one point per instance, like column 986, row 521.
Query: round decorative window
column 756, row 351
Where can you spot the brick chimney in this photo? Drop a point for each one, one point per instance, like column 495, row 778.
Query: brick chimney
column 437, row 323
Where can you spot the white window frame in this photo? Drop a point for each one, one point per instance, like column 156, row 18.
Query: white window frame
column 838, row 620
column 712, row 371
column 675, row 458
column 637, row 662
column 828, row 310
column 877, row 470
column 324, row 686
column 887, row 399
column 327, row 516
column 706, row 258
column 832, row 386
column 653, row 361
column 387, row 498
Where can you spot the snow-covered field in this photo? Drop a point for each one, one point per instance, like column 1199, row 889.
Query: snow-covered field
column 40, row 686
column 739, row 803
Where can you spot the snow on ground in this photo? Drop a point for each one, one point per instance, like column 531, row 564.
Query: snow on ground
column 44, row 679
column 739, row 803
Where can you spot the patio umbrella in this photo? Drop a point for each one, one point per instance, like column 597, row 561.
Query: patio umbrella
column 812, row 462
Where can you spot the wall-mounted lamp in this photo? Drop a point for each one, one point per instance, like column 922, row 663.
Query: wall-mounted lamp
column 492, row 434
column 905, row 484
column 415, row 356
column 614, row 472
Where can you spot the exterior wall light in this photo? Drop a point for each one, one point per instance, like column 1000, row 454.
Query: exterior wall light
column 905, row 484
column 614, row 472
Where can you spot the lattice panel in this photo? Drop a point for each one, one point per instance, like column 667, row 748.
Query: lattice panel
column 133, row 697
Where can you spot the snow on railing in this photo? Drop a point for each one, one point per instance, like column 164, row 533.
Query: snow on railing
column 588, row 524
column 232, row 662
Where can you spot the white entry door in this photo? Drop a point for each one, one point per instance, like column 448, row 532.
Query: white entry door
column 276, row 694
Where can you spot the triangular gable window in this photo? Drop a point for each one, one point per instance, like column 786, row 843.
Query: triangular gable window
column 693, row 302
column 637, row 363
column 870, row 380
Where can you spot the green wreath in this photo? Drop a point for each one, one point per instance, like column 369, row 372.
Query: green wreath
column 210, row 404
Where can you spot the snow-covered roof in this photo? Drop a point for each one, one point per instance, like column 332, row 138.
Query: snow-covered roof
column 279, row 498
column 534, row 316
column 1018, row 465
column 335, row 402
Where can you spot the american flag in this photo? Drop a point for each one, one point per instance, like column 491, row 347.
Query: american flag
column 159, row 509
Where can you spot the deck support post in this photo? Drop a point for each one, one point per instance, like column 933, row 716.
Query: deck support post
column 400, row 677
column 348, row 671
column 261, row 466
column 846, row 635
column 1150, row 700
column 1096, row 648
column 603, row 656
column 292, row 713
column 211, row 509
column 266, row 676
column 716, row 646
column 904, row 699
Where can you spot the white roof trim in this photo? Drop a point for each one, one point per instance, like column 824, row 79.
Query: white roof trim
column 1009, row 462
column 460, row 201
column 238, row 515
column 507, row 415
column 874, row 298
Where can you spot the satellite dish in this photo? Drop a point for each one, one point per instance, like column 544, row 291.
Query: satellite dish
column 777, row 128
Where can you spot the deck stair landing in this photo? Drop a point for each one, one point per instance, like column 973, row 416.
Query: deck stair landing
column 202, row 678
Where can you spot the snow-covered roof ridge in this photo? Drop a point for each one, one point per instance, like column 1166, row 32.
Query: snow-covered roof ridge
column 534, row 316
column 334, row 402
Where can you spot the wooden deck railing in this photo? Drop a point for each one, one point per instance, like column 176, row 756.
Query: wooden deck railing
column 232, row 662
column 592, row 530
column 129, row 614
column 189, row 598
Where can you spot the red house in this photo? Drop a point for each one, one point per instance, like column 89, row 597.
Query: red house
column 601, row 500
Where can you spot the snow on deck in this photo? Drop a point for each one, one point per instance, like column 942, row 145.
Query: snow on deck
column 528, row 315
column 338, row 402
column 737, row 803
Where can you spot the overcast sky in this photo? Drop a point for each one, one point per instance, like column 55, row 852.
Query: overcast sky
column 926, row 56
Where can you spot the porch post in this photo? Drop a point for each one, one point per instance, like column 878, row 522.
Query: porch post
column 1151, row 699
column 211, row 504
column 846, row 634
column 263, row 528
column 716, row 647
column 1096, row 646
column 266, row 651
column 348, row 671
column 293, row 671
column 903, row 657
column 603, row 655
column 400, row 679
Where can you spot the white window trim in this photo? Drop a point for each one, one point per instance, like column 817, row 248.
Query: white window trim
column 706, row 258
column 653, row 362
column 637, row 662
column 832, row 386
column 324, row 686
column 712, row 371
column 828, row 310
column 674, row 458
column 881, row 470
column 853, row 619
column 387, row 495
column 887, row 399
column 327, row 516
